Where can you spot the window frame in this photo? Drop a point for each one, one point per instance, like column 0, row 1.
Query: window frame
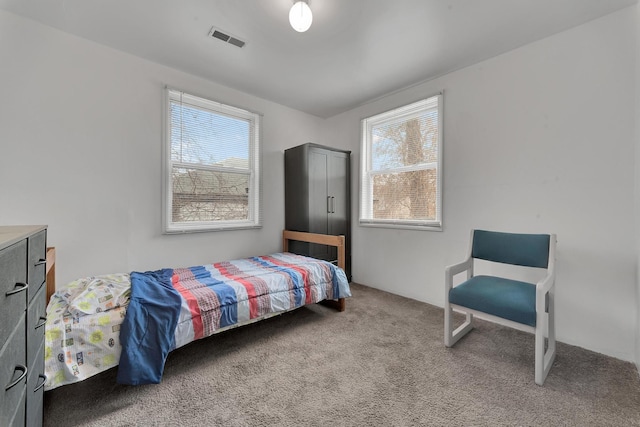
column 254, row 219
column 366, row 174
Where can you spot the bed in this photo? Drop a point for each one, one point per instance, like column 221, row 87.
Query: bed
column 133, row 320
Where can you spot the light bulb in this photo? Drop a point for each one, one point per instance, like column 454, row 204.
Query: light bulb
column 300, row 16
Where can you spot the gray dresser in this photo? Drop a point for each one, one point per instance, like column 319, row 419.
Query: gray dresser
column 22, row 318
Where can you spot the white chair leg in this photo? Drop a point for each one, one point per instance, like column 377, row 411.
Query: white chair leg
column 550, row 355
column 552, row 327
column 544, row 360
column 450, row 336
column 539, row 356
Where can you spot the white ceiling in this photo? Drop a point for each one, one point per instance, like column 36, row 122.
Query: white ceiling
column 355, row 51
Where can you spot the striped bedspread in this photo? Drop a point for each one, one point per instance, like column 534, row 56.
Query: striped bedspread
column 172, row 307
column 227, row 293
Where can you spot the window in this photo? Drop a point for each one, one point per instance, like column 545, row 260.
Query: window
column 212, row 166
column 401, row 179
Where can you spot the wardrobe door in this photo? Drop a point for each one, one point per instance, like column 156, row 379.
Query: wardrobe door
column 338, row 185
column 319, row 199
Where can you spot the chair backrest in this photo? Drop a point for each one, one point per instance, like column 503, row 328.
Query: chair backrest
column 530, row 250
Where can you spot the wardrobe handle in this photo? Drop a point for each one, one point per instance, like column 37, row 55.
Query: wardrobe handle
column 16, row 382
column 44, row 380
column 18, row 288
column 328, row 204
column 333, row 204
column 42, row 261
column 43, row 321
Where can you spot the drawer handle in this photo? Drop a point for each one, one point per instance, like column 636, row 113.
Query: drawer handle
column 43, row 321
column 44, row 380
column 42, row 261
column 21, row 368
column 19, row 288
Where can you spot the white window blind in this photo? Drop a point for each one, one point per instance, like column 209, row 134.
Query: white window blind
column 401, row 179
column 212, row 165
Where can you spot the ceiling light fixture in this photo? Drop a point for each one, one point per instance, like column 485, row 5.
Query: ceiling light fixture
column 300, row 16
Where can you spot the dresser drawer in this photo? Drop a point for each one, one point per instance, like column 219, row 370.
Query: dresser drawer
column 13, row 362
column 36, row 267
column 35, row 323
column 35, row 390
column 20, row 416
column 13, row 261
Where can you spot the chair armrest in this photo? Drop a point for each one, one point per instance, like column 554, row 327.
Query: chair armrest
column 454, row 269
column 545, row 285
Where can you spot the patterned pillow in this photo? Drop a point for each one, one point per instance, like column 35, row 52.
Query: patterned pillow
column 96, row 294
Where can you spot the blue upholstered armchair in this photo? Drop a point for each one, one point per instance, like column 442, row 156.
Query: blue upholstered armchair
column 517, row 304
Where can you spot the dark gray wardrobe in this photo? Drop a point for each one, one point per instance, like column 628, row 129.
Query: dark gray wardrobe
column 317, row 197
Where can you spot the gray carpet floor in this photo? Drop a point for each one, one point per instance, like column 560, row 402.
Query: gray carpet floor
column 382, row 362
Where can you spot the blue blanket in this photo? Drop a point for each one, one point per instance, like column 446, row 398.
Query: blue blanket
column 150, row 324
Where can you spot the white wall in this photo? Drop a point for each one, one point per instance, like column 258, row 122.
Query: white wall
column 81, row 151
column 540, row 139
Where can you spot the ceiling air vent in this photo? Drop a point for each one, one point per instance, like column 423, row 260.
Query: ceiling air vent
column 217, row 34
